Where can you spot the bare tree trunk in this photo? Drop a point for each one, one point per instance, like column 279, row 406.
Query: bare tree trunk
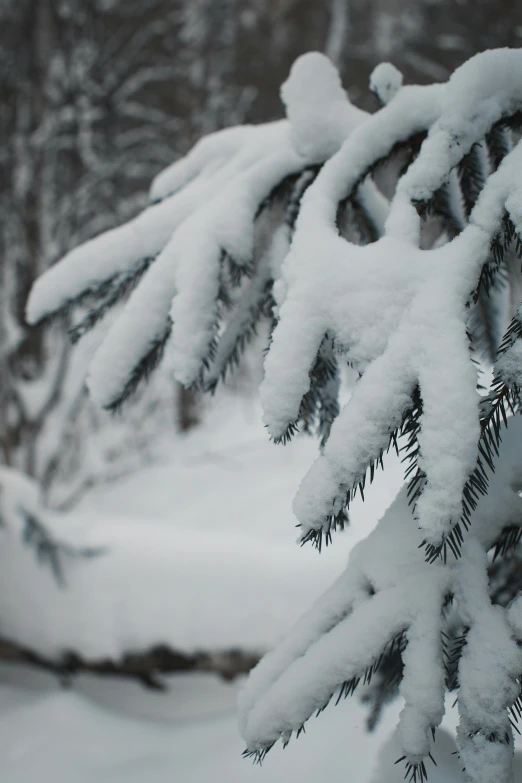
column 187, row 408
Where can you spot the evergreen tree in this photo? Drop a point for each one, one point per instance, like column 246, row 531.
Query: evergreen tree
column 285, row 222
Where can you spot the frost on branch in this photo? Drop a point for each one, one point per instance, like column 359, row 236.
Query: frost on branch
column 285, row 221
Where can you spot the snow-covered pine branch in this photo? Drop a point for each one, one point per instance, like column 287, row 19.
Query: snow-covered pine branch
column 390, row 596
column 23, row 515
column 285, row 221
column 217, row 196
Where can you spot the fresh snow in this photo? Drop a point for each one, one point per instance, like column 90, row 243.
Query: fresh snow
column 115, row 732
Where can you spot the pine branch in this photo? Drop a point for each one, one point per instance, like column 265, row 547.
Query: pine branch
column 350, row 210
column 237, row 321
column 507, row 541
column 106, row 296
column 142, row 371
column 409, row 428
column 503, row 399
column 232, row 273
column 515, row 711
column 409, row 148
column 513, row 333
column 365, row 225
column 471, row 168
column 242, row 327
column 484, row 322
column 442, row 206
column 472, row 176
column 387, row 660
column 49, row 550
column 106, row 293
column 512, row 122
column 505, row 578
column 320, row 405
column 492, row 269
column 301, row 185
column 452, row 647
column 499, row 144
column 385, row 688
column 478, row 482
column 415, row 773
column 289, row 191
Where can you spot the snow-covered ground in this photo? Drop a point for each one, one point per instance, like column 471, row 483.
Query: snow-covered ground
column 200, row 550
column 201, row 554
column 114, row 732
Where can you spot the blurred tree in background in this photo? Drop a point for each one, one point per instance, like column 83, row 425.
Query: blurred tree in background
column 81, row 119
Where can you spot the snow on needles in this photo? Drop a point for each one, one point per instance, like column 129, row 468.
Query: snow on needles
column 386, row 590
column 320, row 114
column 223, row 182
column 419, row 338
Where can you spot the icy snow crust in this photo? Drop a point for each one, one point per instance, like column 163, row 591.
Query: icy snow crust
column 398, row 314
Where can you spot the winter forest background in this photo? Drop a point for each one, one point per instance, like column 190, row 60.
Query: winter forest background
column 147, row 559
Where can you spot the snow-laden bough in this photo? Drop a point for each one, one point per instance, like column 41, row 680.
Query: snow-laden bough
column 285, row 221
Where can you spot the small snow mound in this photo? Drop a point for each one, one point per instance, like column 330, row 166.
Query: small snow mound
column 311, row 94
column 385, row 82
